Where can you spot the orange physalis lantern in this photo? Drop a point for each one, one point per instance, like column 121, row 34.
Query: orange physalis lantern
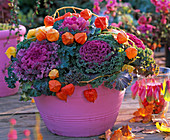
column 54, row 85
column 41, row 34
column 52, row 35
column 80, row 38
column 68, row 89
column 121, row 37
column 86, row 14
column 48, row 21
column 67, row 38
column 53, row 74
column 62, row 96
column 101, row 22
column 59, row 18
column 131, row 52
column 31, row 33
column 76, row 14
column 68, row 14
column 90, row 95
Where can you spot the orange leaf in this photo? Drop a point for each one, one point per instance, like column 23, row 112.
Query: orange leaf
column 68, row 89
column 136, row 113
column 147, row 119
column 118, row 135
column 142, row 112
column 132, row 120
column 80, row 38
column 136, row 119
column 131, row 52
column 149, row 109
column 52, row 35
column 126, row 130
column 54, row 85
column 67, row 38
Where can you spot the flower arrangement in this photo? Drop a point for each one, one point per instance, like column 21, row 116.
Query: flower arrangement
column 71, row 50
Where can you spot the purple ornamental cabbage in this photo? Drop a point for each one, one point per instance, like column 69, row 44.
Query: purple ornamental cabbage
column 136, row 40
column 74, row 23
column 95, row 51
column 37, row 61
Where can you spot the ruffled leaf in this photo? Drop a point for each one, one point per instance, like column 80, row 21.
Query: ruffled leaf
column 123, row 80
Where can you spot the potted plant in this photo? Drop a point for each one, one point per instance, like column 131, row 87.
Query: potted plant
column 9, row 35
column 77, row 71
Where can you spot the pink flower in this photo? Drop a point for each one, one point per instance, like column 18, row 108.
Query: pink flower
column 163, row 20
column 107, row 12
column 111, row 5
column 117, row 25
column 136, row 40
column 96, row 8
column 142, row 92
column 143, row 28
column 12, row 135
column 154, row 2
column 12, row 121
column 113, row 14
column 144, row 20
column 162, row 5
column 27, row 132
column 134, row 89
column 150, row 93
column 137, row 10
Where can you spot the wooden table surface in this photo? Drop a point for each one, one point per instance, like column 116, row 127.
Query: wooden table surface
column 24, row 113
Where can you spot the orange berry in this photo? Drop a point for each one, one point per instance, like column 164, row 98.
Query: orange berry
column 54, row 85
column 67, row 38
column 121, row 37
column 80, row 38
column 48, row 21
column 131, row 52
column 86, row 14
column 52, row 35
column 41, row 34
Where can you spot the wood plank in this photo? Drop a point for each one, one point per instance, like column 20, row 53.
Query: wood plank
column 24, row 113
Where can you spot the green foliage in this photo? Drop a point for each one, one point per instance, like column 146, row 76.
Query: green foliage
column 11, row 79
column 145, row 63
column 143, row 5
column 32, row 13
column 24, row 44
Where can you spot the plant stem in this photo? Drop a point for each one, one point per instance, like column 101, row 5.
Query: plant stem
column 86, row 82
column 70, row 7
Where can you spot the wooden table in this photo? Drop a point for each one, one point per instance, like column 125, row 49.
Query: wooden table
column 24, row 113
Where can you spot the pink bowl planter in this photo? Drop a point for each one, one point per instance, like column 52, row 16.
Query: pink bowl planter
column 4, row 60
column 78, row 117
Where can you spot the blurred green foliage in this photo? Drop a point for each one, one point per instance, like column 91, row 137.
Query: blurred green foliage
column 32, row 12
column 144, row 5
